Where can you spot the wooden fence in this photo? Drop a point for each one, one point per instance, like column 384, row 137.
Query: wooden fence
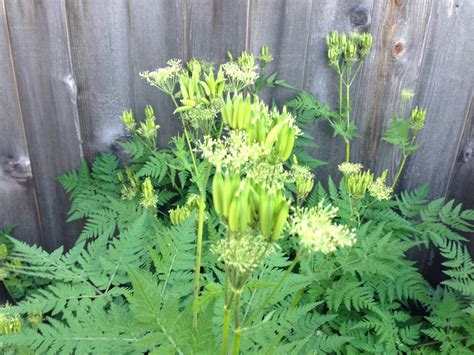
column 68, row 68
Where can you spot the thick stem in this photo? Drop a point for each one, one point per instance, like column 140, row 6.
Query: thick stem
column 399, row 173
column 340, row 95
column 237, row 335
column 197, row 271
column 225, row 333
column 274, row 290
column 348, row 120
column 226, row 323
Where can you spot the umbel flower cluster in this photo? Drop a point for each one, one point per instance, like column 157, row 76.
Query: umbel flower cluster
column 360, row 182
column 316, row 230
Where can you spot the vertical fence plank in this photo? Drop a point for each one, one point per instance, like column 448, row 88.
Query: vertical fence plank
column 399, row 29
column 320, row 79
column 283, row 26
column 446, row 85
column 98, row 33
column 461, row 186
column 17, row 190
column 48, row 100
column 217, row 27
column 157, row 33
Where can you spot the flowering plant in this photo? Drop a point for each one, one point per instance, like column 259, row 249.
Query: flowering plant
column 225, row 242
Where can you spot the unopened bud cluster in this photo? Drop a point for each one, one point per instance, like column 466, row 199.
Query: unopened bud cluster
column 418, row 119
column 304, row 179
column 344, row 49
column 147, row 129
column 179, row 214
column 360, row 182
column 148, row 196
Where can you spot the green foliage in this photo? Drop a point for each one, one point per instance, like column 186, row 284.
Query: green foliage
column 133, row 283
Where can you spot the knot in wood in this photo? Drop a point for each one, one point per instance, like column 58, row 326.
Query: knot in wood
column 18, row 169
column 360, row 16
column 467, row 153
column 398, row 3
column 398, row 49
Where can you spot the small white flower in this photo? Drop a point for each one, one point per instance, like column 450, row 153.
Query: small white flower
column 244, row 253
column 350, row 168
column 317, row 232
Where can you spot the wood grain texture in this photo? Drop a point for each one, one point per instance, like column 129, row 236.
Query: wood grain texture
column 321, row 80
column 157, row 33
column 47, row 95
column 98, row 33
column 399, row 30
column 445, row 89
column 216, row 27
column 283, row 26
column 461, row 186
column 17, row 190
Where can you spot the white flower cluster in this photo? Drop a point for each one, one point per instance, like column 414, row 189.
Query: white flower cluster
column 239, row 76
column 164, row 78
column 379, row 190
column 244, row 254
column 232, row 153
column 317, row 232
column 350, row 168
column 272, row 177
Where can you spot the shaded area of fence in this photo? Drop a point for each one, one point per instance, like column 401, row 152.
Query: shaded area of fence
column 69, row 68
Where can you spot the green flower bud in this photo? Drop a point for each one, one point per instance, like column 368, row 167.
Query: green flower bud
column 365, row 44
column 129, row 121
column 35, row 318
column 149, row 199
column 265, row 57
column 149, row 113
column 179, row 215
column 10, row 324
column 359, row 183
column 350, row 53
column 149, row 128
column 304, row 179
column 418, row 118
column 3, row 251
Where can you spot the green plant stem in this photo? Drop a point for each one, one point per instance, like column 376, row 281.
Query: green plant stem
column 274, row 290
column 226, row 323
column 197, row 271
column 400, row 169
column 340, row 94
column 237, row 335
column 200, row 229
column 348, row 120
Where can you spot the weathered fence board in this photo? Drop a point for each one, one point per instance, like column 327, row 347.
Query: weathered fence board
column 216, row 27
column 98, row 34
column 461, row 186
column 283, row 26
column 17, row 190
column 445, row 89
column 69, row 68
column 320, row 79
column 47, row 94
column 399, row 30
column 157, row 33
